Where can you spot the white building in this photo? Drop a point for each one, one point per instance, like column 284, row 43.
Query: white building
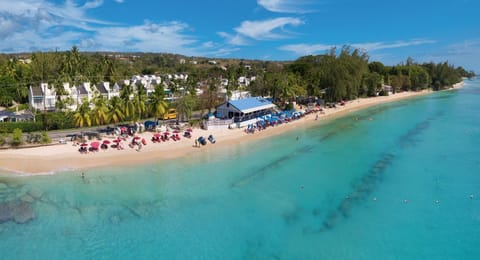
column 42, row 97
column 245, row 81
column 106, row 91
column 238, row 94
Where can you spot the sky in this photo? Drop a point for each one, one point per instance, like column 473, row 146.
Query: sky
column 389, row 31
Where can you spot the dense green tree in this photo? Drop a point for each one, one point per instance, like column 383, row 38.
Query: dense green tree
column 373, row 83
column 185, row 106
column 419, row 77
column 17, row 137
column 139, row 100
column 100, row 110
column 7, row 90
column 83, row 117
column 115, row 110
column 156, row 103
column 126, row 94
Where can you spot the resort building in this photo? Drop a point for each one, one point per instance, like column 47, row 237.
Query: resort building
column 70, row 96
column 242, row 111
column 44, row 97
column 106, row 91
column 41, row 97
column 84, row 93
column 238, row 94
column 388, row 89
column 245, row 81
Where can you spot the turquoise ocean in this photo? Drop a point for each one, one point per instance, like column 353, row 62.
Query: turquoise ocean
column 403, row 185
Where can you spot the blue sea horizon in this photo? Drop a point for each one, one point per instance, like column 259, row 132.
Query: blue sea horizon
column 404, row 185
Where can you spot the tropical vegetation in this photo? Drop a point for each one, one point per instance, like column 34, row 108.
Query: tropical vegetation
column 339, row 74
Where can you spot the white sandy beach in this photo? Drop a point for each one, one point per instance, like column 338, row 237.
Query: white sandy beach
column 62, row 157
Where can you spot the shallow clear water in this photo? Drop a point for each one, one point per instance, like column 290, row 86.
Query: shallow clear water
column 394, row 187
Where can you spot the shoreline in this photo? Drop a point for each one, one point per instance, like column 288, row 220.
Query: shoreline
column 65, row 157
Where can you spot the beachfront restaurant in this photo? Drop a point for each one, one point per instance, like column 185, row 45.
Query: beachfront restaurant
column 245, row 111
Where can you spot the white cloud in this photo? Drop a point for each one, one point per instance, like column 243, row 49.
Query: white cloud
column 305, row 49
column 31, row 25
column 93, row 4
column 234, row 39
column 149, row 37
column 467, row 47
column 309, row 49
column 284, row 6
column 463, row 54
column 270, row 29
column 373, row 46
column 265, row 29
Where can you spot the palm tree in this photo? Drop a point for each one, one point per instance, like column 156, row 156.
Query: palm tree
column 115, row 108
column 157, row 105
column 185, row 106
column 100, row 111
column 212, row 94
column 126, row 93
column 71, row 65
column 83, row 115
column 110, row 70
column 139, row 100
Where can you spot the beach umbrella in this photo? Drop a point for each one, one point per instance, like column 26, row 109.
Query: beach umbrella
column 166, row 133
column 189, row 130
column 136, row 137
column 106, row 141
column 156, row 135
column 176, row 132
column 83, row 145
column 117, row 141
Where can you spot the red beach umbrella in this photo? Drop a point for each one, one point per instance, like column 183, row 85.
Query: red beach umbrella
column 189, row 130
column 176, row 132
column 156, row 135
column 95, row 144
column 166, row 133
column 136, row 137
column 106, row 141
column 117, row 141
column 83, row 145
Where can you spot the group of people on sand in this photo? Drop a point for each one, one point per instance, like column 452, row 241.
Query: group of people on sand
column 136, row 143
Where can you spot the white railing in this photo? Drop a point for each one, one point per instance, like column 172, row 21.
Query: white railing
column 217, row 123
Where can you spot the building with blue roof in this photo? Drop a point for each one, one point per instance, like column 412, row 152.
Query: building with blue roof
column 245, row 109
